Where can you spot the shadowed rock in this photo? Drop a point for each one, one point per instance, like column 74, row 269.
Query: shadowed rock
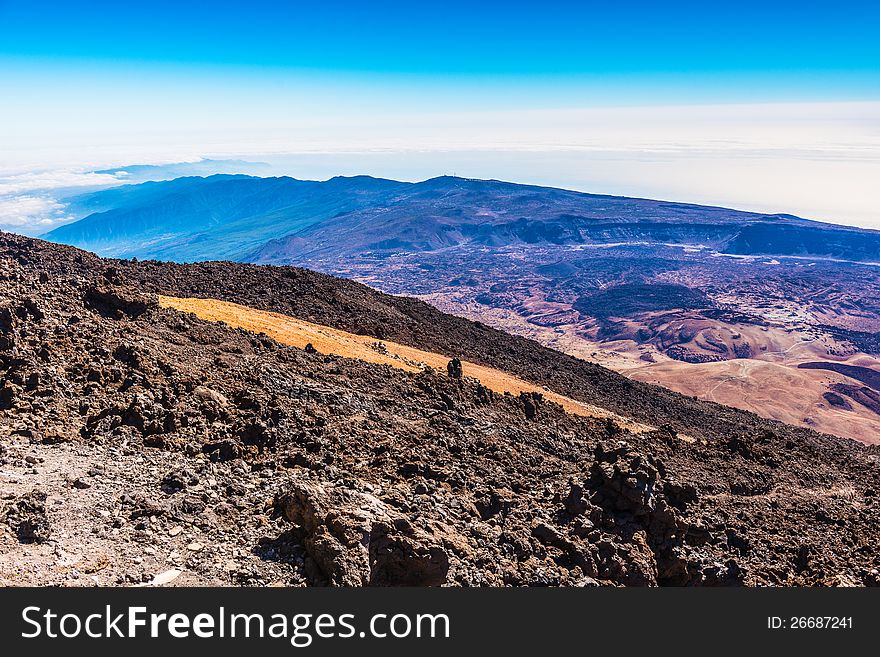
column 115, row 303
column 27, row 518
column 454, row 369
column 355, row 539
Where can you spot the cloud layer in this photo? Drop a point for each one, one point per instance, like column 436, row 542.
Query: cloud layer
column 30, row 201
column 30, row 214
column 817, row 160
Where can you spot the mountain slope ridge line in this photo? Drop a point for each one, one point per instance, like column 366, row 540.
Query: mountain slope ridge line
column 249, row 450
column 325, row 339
column 354, row 307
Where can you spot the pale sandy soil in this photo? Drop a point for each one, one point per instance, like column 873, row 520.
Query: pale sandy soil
column 781, row 392
column 93, row 540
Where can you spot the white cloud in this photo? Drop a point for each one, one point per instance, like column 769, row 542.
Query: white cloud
column 42, row 181
column 30, row 200
column 31, row 214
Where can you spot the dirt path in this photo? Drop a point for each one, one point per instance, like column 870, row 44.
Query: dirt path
column 93, row 538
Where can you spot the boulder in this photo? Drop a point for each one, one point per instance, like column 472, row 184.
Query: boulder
column 624, row 480
column 454, row 368
column 531, row 403
column 355, row 539
column 118, row 303
column 27, row 518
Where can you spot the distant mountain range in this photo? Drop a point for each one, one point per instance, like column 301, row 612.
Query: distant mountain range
column 285, row 221
column 137, row 173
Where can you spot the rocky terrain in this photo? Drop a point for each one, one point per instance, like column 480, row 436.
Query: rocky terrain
column 142, row 445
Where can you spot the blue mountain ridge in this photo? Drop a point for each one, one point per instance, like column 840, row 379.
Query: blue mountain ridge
column 282, row 220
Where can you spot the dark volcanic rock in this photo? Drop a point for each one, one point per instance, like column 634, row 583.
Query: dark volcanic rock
column 453, row 368
column 27, row 518
column 355, row 539
column 115, row 303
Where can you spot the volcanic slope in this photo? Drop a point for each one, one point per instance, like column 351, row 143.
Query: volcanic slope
column 141, row 444
column 327, row 340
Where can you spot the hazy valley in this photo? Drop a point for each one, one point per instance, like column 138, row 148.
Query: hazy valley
column 739, row 331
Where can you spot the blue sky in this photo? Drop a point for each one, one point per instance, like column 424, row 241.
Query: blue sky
column 743, row 103
column 465, row 38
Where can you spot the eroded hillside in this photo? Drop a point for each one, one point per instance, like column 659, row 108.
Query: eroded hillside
column 731, row 330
